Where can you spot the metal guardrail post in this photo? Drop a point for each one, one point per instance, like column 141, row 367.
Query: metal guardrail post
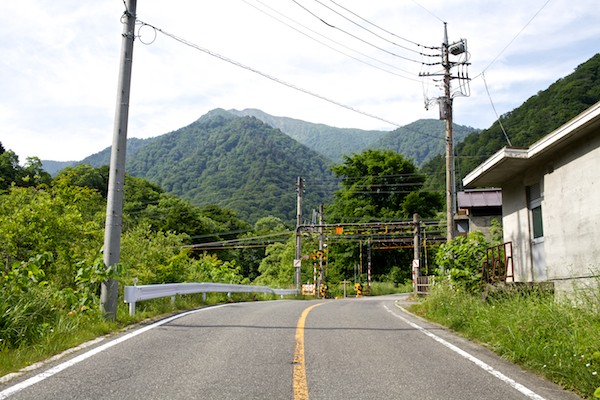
column 133, row 294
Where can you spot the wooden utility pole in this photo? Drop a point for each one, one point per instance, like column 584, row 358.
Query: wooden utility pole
column 298, row 237
column 447, row 104
column 114, row 205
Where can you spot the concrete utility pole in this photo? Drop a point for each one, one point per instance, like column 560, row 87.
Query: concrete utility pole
column 416, row 252
column 321, row 245
column 114, row 206
column 298, row 237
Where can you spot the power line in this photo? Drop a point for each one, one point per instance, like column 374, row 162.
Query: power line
column 514, row 38
column 386, row 31
column 360, row 39
column 334, row 41
column 494, row 108
column 280, row 81
column 373, row 33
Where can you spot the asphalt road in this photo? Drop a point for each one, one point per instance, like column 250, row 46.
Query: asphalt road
column 364, row 348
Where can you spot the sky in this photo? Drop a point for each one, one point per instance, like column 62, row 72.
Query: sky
column 344, row 63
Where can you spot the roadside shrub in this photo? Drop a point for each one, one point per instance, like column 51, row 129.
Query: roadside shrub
column 461, row 260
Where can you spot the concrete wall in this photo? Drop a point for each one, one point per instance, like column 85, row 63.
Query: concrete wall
column 570, row 214
column 515, row 224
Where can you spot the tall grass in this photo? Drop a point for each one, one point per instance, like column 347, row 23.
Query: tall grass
column 559, row 340
column 34, row 339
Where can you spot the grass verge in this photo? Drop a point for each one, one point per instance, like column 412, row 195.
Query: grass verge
column 73, row 329
column 528, row 327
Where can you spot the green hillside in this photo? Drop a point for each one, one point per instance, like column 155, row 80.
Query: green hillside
column 329, row 141
column 422, row 140
column 417, row 141
column 238, row 163
column 538, row 116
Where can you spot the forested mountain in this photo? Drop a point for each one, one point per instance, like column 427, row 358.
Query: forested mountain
column 421, row 140
column 329, row 141
column 238, row 163
column 414, row 141
column 231, row 160
column 96, row 160
column 538, row 116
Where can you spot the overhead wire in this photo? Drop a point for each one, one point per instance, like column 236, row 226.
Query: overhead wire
column 386, row 31
column 373, row 33
column 334, row 41
column 513, row 39
column 359, row 38
column 265, row 75
column 494, row 108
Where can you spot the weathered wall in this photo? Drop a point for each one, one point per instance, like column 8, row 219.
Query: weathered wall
column 572, row 212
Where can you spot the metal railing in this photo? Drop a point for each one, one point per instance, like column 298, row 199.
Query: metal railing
column 498, row 264
column 134, row 294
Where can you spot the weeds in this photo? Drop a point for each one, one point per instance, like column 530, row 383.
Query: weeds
column 528, row 327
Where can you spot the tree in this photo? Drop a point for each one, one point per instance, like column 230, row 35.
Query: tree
column 9, row 169
column 84, row 175
column 377, row 185
column 33, row 173
column 380, row 185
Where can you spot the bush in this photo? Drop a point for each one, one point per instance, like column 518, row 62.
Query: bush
column 461, row 259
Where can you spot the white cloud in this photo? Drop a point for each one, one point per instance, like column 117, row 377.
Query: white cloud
column 59, row 73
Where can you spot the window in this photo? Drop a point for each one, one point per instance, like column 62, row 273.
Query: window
column 535, row 195
column 536, row 221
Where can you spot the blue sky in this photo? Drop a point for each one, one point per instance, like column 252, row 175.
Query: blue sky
column 59, row 64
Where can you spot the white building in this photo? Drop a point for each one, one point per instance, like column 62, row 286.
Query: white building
column 551, row 203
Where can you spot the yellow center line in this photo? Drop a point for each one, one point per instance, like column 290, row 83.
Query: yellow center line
column 300, row 385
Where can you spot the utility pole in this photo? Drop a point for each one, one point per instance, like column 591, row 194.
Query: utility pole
column 416, row 252
column 449, row 145
column 298, row 237
column 321, row 246
column 114, row 205
column 445, row 104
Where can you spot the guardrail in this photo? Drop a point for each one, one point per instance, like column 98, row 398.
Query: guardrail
column 134, row 294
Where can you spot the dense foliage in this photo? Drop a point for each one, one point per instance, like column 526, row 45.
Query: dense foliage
column 376, row 185
column 380, row 185
column 51, row 237
column 238, row 163
column 12, row 173
column 421, row 140
column 538, row 116
column 328, row 141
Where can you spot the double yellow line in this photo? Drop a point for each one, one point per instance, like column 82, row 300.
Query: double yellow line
column 300, row 385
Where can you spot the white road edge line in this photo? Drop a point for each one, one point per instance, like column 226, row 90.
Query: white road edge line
column 514, row 384
column 55, row 370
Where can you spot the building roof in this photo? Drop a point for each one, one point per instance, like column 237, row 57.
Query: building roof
column 510, row 161
column 479, row 198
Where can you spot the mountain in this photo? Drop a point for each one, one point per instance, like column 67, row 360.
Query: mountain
column 422, row 140
column 234, row 161
column 53, row 167
column 413, row 141
column 535, row 118
column 96, row 160
column 239, row 163
column 329, row 141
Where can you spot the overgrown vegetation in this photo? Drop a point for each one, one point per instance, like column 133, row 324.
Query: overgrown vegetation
column 526, row 325
column 522, row 322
